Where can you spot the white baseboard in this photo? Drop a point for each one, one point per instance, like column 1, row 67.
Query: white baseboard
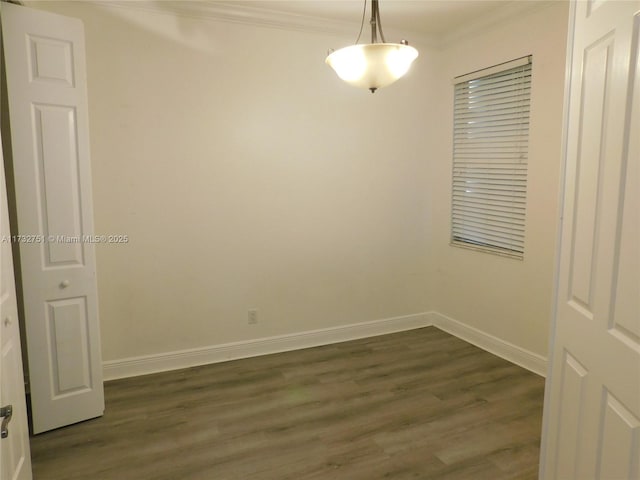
column 161, row 362
column 524, row 358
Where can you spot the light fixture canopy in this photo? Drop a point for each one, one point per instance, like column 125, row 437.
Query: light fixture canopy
column 373, row 65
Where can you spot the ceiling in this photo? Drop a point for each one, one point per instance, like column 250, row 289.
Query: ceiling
column 438, row 21
column 428, row 17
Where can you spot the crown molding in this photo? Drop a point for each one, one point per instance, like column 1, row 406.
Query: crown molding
column 504, row 13
column 241, row 13
column 235, row 13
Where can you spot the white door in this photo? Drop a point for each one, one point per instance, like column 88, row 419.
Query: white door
column 46, row 83
column 592, row 407
column 15, row 459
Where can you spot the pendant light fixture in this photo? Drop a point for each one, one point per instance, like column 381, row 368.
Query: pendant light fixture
column 372, row 65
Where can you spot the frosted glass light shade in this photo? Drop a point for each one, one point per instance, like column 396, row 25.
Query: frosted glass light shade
column 373, row 65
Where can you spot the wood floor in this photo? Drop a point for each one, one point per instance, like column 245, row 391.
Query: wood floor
column 413, row 405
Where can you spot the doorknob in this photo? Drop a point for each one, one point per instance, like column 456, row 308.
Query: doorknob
column 64, row 284
column 5, row 414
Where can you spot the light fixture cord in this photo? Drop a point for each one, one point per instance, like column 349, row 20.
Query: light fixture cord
column 379, row 23
column 376, row 24
column 364, row 12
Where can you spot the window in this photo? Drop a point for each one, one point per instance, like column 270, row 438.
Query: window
column 490, row 154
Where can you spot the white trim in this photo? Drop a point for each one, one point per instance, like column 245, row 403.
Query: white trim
column 160, row 362
column 547, row 428
column 514, row 354
column 237, row 13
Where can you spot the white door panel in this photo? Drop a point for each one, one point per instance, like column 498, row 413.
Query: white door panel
column 592, row 409
column 55, row 129
column 46, row 83
column 15, row 458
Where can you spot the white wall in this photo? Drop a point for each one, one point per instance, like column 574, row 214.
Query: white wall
column 248, row 176
column 502, row 297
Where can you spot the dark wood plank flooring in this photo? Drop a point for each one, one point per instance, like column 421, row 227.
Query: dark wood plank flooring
column 413, row 405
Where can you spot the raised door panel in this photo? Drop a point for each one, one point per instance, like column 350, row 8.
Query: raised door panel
column 67, row 321
column 59, row 205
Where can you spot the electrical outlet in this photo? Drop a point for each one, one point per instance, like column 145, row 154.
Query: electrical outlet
column 252, row 318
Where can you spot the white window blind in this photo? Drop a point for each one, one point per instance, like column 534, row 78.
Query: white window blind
column 490, row 154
